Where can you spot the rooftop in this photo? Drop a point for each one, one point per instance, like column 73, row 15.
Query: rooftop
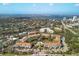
column 23, row 44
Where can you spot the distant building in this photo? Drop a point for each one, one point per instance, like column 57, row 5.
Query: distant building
column 74, row 18
column 23, row 33
column 64, row 18
column 24, row 39
column 32, row 32
column 12, row 37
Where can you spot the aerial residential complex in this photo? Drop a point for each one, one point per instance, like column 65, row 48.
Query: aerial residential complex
column 39, row 29
column 38, row 37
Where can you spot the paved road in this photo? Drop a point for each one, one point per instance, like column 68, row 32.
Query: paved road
column 68, row 28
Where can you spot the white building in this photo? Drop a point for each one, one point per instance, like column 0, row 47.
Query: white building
column 48, row 30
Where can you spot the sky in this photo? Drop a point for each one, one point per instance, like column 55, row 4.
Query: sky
column 39, row 8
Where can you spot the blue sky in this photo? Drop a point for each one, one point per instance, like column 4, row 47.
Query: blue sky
column 39, row 8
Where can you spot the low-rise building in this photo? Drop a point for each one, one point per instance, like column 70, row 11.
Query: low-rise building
column 56, row 43
column 46, row 30
column 23, row 44
column 52, row 44
column 22, row 47
column 33, row 34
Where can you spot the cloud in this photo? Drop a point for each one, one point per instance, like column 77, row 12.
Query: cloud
column 51, row 4
column 4, row 4
column 76, row 4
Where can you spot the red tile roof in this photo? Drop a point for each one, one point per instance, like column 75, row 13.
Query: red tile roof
column 23, row 44
column 50, row 44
